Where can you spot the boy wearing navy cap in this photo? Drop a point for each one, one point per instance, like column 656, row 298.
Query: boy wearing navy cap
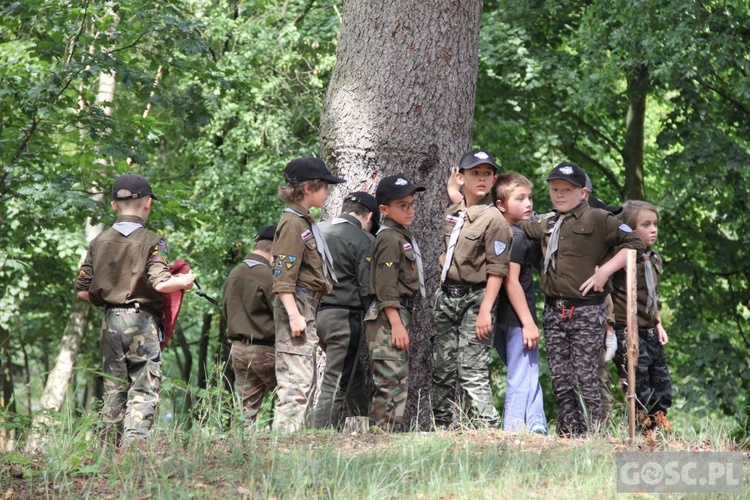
column 303, row 272
column 396, row 279
column 577, row 241
column 131, row 326
column 248, row 310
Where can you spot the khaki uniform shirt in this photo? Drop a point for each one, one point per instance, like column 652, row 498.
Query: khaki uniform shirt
column 351, row 249
column 646, row 318
column 121, row 270
column 483, row 246
column 587, row 237
column 393, row 273
column 248, row 301
column 296, row 258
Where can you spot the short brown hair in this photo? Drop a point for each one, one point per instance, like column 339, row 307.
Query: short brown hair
column 130, row 204
column 292, row 193
column 632, row 208
column 263, row 245
column 506, row 183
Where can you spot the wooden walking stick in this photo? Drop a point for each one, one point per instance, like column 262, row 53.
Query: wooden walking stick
column 632, row 338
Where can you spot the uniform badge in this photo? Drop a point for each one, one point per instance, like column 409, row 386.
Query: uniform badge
column 407, row 246
column 81, row 272
column 159, row 252
column 500, row 247
column 401, row 182
column 282, row 256
column 289, row 265
column 292, row 258
column 306, row 234
column 625, row 228
column 451, row 218
column 566, row 170
column 481, row 155
column 276, row 272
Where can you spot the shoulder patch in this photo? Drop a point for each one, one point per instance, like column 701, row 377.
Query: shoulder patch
column 306, row 234
column 500, row 247
column 407, row 246
column 159, row 252
column 451, row 218
column 625, row 228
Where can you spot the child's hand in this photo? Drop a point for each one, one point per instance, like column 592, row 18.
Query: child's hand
column 187, row 280
column 530, row 336
column 454, row 186
column 297, row 324
column 596, row 282
column 663, row 338
column 483, row 326
column 399, row 337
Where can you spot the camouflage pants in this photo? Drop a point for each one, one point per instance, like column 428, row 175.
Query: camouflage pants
column 459, row 357
column 574, row 346
column 653, row 384
column 296, row 364
column 340, row 331
column 390, row 369
column 131, row 362
column 605, row 388
column 254, row 375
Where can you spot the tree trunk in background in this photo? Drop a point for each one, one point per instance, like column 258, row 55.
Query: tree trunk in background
column 632, row 154
column 401, row 100
column 7, row 401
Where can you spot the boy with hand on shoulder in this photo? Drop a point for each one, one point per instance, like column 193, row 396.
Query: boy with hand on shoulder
column 303, row 273
column 473, row 267
column 577, row 241
column 516, row 330
column 131, row 326
column 248, row 310
column 396, row 279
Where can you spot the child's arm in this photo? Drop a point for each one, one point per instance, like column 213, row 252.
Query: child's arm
column 517, row 299
column 176, row 282
column 663, row 338
column 602, row 273
column 297, row 322
column 483, row 326
column 399, row 335
column 454, row 186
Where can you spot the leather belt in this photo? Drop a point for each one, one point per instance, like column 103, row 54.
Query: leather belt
column 568, row 303
column 249, row 341
column 456, row 291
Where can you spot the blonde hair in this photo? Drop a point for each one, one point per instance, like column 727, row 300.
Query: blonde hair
column 292, row 193
column 632, row 208
column 506, row 183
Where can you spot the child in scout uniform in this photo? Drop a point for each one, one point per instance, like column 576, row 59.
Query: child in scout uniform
column 340, row 316
column 303, row 272
column 124, row 271
column 474, row 264
column 577, row 241
column 248, row 309
column 516, row 330
column 396, row 279
column 653, row 385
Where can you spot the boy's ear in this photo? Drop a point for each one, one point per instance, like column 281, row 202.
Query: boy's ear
column 460, row 177
column 500, row 205
column 114, row 206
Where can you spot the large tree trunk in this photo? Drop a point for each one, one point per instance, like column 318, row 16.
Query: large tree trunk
column 632, row 154
column 401, row 100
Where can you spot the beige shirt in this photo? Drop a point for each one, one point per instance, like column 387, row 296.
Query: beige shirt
column 393, row 273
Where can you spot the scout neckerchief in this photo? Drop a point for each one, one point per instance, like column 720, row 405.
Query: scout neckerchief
column 550, row 257
column 251, row 263
column 126, row 228
column 320, row 242
column 462, row 215
column 418, row 256
column 650, row 286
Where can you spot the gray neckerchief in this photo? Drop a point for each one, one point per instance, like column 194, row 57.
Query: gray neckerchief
column 252, row 263
column 320, row 242
column 462, row 216
column 550, row 257
column 126, row 228
column 650, row 286
column 341, row 220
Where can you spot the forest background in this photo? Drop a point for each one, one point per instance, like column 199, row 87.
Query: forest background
column 210, row 99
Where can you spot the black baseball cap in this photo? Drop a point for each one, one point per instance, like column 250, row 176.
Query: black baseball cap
column 309, row 168
column 370, row 203
column 569, row 171
column 475, row 158
column 589, row 187
column 267, row 233
column 597, row 203
column 395, row 187
column 136, row 184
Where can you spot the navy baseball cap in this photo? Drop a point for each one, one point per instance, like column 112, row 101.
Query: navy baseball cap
column 309, row 168
column 136, row 185
column 475, row 158
column 395, row 187
column 370, row 203
column 569, row 171
column 267, row 233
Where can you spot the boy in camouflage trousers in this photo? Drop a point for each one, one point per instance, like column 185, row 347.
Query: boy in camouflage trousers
column 303, row 272
column 131, row 325
column 474, row 264
column 248, row 310
column 396, row 278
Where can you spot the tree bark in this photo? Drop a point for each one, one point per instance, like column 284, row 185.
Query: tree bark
column 401, row 100
column 632, row 153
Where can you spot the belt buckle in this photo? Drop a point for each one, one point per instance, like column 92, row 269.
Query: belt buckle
column 454, row 292
column 559, row 304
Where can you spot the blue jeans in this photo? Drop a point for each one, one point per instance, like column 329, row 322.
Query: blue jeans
column 524, row 407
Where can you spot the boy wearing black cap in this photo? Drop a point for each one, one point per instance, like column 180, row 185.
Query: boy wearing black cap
column 474, row 264
column 577, row 240
column 248, row 310
column 396, row 278
column 341, row 313
column 131, row 326
column 303, row 272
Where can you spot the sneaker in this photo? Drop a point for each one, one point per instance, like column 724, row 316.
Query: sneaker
column 539, row 428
